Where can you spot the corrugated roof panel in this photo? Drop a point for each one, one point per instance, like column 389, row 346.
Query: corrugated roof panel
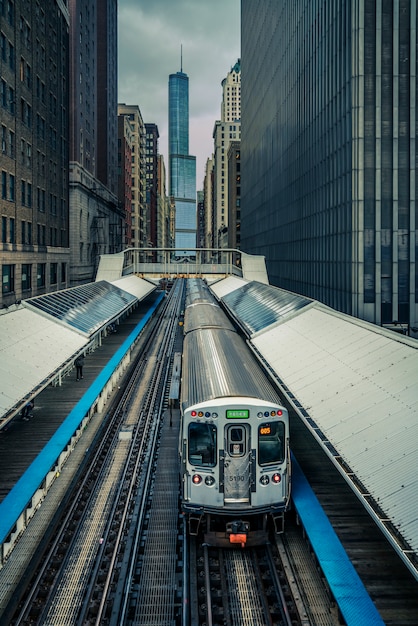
column 32, row 347
column 358, row 383
column 258, row 306
column 86, row 308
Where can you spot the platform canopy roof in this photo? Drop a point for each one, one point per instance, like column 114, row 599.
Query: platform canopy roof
column 355, row 386
column 44, row 334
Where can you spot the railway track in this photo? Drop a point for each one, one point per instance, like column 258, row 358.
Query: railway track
column 93, row 546
column 232, row 587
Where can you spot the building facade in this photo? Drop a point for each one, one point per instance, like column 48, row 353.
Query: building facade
column 151, row 176
column 165, row 237
column 125, row 143
column 139, row 237
column 208, row 199
column 34, row 105
column 329, row 151
column 234, row 196
column 225, row 131
column 182, row 166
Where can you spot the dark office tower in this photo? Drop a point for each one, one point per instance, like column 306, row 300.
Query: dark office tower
column 329, row 151
column 107, row 93
column 182, row 166
column 96, row 220
column 34, row 88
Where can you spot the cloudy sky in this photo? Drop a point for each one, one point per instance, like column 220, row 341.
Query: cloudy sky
column 150, row 36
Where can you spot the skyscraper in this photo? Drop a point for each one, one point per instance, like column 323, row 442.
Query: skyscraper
column 329, row 151
column 225, row 131
column 182, row 166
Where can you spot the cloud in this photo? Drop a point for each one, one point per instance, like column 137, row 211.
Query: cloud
column 150, row 36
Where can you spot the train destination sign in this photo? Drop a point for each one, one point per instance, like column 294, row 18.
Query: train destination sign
column 237, row 414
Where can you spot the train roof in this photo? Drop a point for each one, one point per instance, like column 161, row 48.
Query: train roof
column 206, row 316
column 217, row 364
column 198, row 292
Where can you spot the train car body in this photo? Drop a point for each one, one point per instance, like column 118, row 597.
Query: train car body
column 234, row 447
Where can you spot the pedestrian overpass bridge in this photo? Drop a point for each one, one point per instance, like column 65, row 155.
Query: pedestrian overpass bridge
column 156, row 264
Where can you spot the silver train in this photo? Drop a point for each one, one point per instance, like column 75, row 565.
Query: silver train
column 234, row 438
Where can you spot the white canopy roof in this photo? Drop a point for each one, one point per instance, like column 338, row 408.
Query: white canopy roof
column 355, row 386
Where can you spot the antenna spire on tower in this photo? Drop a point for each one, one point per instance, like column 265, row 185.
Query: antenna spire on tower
column 181, row 57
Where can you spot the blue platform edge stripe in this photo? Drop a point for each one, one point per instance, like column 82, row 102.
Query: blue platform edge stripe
column 20, row 495
column 354, row 602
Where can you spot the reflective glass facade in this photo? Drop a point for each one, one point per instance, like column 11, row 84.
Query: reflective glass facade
column 328, row 151
column 182, row 166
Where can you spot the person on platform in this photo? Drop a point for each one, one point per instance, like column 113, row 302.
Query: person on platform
column 79, row 362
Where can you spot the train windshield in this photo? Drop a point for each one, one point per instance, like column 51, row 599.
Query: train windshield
column 271, row 438
column 202, row 444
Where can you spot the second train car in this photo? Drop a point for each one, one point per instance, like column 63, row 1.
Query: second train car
column 234, row 440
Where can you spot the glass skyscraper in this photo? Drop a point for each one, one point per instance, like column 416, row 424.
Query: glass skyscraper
column 182, row 166
column 329, row 151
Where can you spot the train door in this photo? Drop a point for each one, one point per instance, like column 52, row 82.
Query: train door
column 237, row 471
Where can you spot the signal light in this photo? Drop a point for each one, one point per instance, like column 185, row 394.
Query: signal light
column 200, row 414
column 209, row 481
column 196, row 479
column 276, row 478
column 193, row 413
column 279, row 412
column 264, row 480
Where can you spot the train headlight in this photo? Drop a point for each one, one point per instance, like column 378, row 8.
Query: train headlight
column 196, row 479
column 209, row 481
column 264, row 480
column 276, row 478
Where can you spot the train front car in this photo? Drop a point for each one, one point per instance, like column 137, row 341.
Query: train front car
column 235, row 441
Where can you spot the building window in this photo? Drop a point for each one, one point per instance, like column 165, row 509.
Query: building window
column 26, row 276
column 40, row 275
column 53, row 273
column 4, row 229
column 63, row 272
column 11, row 188
column 8, row 279
column 12, row 233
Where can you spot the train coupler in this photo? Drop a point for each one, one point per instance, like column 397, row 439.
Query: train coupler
column 237, row 532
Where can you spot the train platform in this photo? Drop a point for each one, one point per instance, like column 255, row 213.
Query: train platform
column 352, row 598
column 31, row 446
column 26, row 446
